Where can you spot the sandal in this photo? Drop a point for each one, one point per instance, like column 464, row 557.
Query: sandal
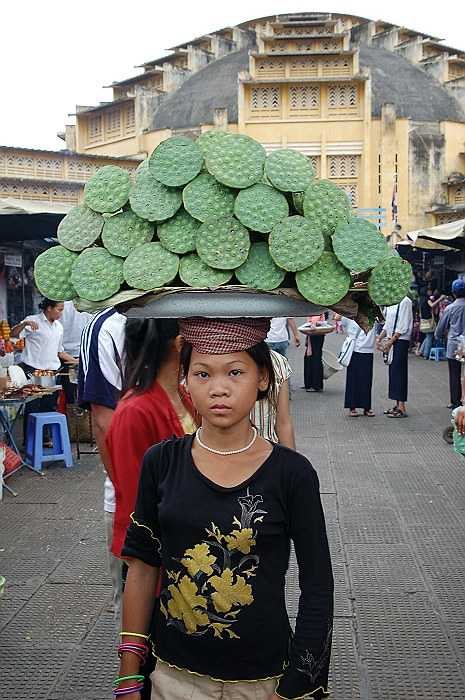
column 370, row 414
column 390, row 411
column 353, row 414
column 397, row 414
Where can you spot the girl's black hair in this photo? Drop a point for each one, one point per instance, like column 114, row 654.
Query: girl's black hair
column 147, row 344
column 45, row 303
column 260, row 353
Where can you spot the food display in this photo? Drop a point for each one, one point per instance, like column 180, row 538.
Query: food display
column 219, row 212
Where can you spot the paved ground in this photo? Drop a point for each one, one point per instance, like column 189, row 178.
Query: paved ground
column 394, row 497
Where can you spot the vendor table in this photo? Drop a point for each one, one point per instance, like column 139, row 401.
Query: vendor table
column 7, row 429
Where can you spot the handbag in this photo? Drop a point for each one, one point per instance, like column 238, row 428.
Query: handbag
column 345, row 353
column 427, row 325
column 387, row 356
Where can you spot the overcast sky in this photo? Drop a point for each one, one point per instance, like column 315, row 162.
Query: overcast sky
column 56, row 55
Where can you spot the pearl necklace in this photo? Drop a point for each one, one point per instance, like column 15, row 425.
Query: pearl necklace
column 231, row 452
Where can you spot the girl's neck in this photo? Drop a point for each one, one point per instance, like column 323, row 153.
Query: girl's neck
column 226, row 439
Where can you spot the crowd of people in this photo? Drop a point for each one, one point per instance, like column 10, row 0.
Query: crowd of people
column 204, row 490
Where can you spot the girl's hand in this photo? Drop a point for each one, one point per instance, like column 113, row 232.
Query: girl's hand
column 33, row 325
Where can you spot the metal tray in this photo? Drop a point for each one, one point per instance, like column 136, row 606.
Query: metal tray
column 223, row 303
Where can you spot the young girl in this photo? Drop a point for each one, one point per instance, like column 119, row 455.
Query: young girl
column 217, row 510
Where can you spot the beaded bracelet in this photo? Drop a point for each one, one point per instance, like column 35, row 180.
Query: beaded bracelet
column 125, row 691
column 134, row 634
column 137, row 677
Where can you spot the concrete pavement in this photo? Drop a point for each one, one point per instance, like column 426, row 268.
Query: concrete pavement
column 394, row 496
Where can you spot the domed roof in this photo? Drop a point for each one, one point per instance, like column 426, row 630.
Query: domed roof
column 416, row 94
column 212, row 87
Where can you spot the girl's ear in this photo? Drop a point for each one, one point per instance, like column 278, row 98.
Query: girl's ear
column 178, row 343
column 264, row 379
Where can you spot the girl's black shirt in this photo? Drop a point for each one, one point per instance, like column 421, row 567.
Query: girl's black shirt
column 224, row 554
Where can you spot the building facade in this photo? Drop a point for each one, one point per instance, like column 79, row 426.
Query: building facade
column 378, row 108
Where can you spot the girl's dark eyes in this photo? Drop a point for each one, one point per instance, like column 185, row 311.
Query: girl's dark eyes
column 236, row 372
column 202, row 375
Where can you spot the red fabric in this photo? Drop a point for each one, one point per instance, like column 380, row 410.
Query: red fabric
column 220, row 336
column 62, row 402
column 137, row 423
column 12, row 460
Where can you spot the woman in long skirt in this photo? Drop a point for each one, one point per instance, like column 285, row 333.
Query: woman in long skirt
column 398, row 329
column 313, row 364
column 359, row 377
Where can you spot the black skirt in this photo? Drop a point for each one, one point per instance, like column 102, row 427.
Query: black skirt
column 359, row 379
column 398, row 371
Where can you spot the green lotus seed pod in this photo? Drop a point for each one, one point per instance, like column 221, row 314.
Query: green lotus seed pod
column 107, row 190
column 223, row 243
column 295, row 243
column 97, row 274
column 52, row 273
column 150, row 266
column 325, row 282
column 195, row 273
column 389, row 281
column 359, row 244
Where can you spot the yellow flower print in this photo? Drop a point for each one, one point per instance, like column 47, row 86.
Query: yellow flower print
column 241, row 540
column 198, row 559
column 185, row 599
column 229, row 594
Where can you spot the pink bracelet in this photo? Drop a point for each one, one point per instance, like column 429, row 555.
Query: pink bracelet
column 134, row 651
column 125, row 691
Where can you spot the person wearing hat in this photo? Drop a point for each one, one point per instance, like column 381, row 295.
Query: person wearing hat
column 215, row 515
column 452, row 322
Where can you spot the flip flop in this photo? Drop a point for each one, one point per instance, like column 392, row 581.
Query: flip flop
column 353, row 414
column 390, row 411
column 369, row 414
column 397, row 414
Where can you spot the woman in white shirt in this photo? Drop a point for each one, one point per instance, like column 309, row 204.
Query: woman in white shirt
column 43, row 349
column 398, row 329
column 359, row 375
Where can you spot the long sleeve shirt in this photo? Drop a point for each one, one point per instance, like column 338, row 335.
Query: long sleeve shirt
column 224, row 553
column 453, row 320
column 404, row 324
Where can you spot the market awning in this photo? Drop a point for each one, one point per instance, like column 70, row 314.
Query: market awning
column 26, row 220
column 438, row 237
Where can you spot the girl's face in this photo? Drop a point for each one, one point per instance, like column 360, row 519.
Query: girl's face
column 224, row 388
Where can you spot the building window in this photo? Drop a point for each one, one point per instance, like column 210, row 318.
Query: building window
column 343, row 99
column 95, row 129
column 304, row 100
column 459, row 195
column 113, row 123
column 343, row 170
column 129, row 119
column 303, row 67
column 265, row 101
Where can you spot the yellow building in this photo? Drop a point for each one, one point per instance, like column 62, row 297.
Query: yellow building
column 51, row 176
column 375, row 106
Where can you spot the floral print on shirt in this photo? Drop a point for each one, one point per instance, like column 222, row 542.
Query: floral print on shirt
column 207, row 594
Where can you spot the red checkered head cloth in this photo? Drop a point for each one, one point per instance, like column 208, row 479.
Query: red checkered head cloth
column 220, row 336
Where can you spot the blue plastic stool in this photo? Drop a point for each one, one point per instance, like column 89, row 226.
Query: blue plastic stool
column 437, row 352
column 36, row 453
